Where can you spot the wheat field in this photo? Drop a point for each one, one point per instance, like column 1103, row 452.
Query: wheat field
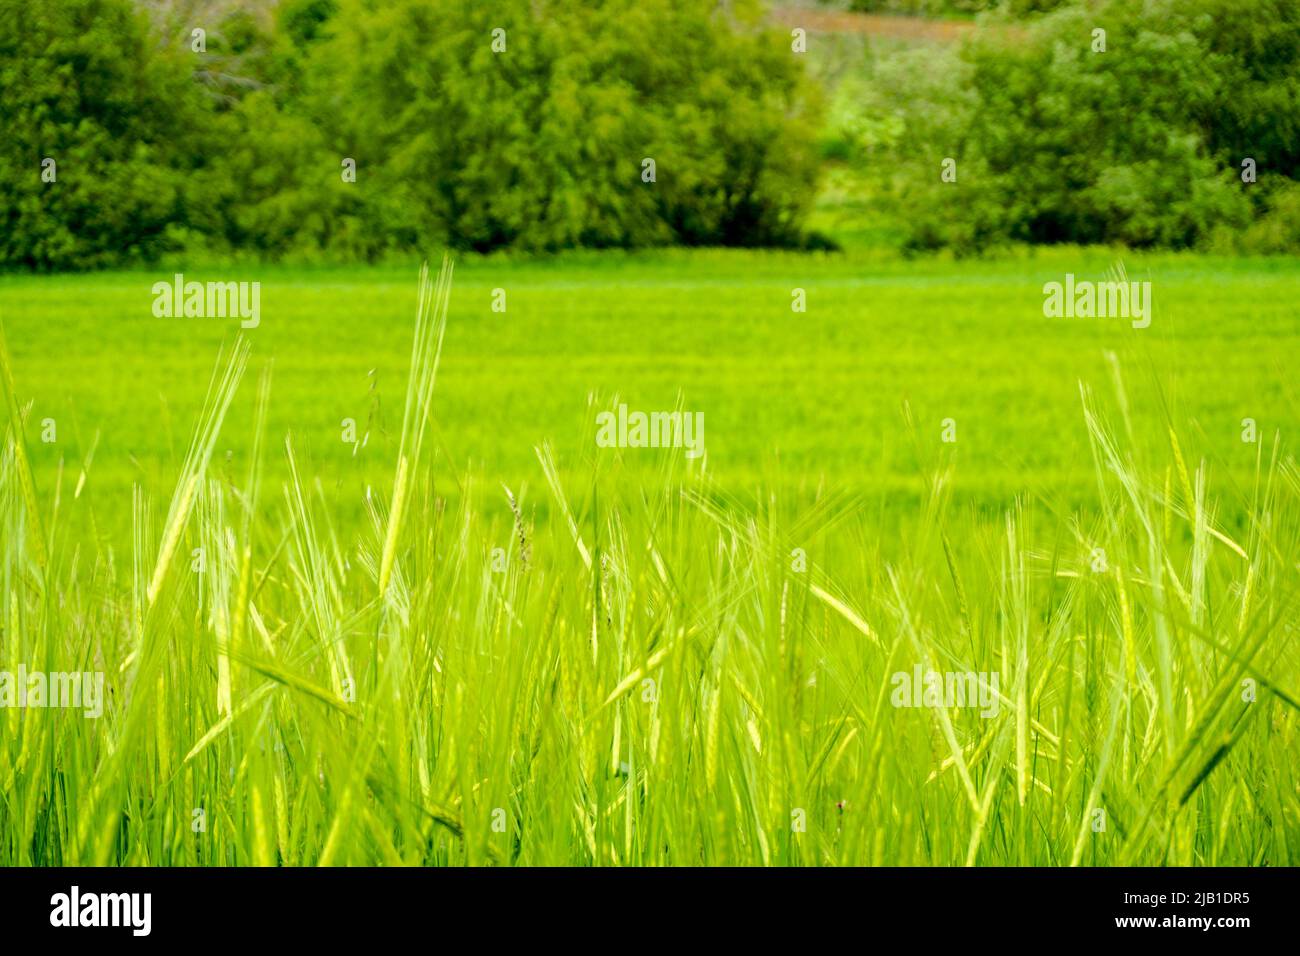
column 644, row 661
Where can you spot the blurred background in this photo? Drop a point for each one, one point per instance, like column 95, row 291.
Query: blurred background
column 805, row 126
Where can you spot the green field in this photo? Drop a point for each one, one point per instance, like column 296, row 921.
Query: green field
column 352, row 682
column 800, row 399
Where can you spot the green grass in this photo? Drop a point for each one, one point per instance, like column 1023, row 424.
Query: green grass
column 350, row 679
column 821, row 392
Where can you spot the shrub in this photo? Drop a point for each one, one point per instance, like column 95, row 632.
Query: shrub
column 542, row 146
column 84, row 83
column 1064, row 144
column 1276, row 230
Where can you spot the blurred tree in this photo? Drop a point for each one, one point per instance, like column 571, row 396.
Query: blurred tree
column 84, row 84
column 536, row 136
column 1139, row 142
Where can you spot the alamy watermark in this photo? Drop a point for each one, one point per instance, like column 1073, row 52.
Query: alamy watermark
column 651, row 430
column 1117, row 298
column 208, row 300
column 946, row 689
column 24, row 689
column 75, row 908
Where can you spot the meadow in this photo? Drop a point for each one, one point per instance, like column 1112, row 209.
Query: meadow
column 471, row 636
column 798, row 398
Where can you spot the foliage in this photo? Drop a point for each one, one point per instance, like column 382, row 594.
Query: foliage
column 84, row 83
column 1058, row 140
column 541, row 144
column 536, row 146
